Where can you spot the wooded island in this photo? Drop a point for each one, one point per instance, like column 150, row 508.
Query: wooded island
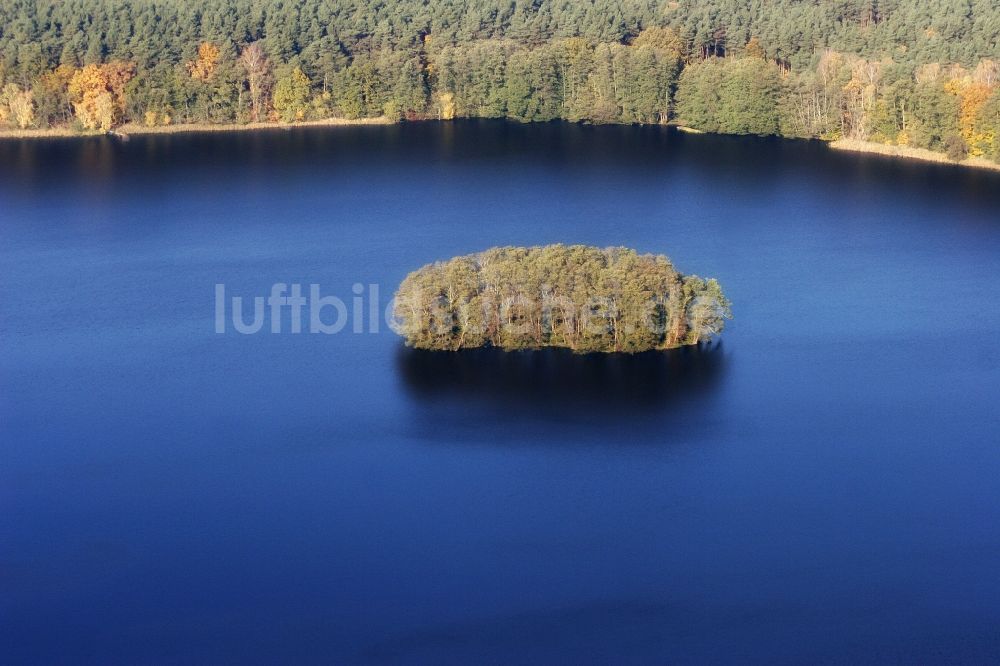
column 583, row 298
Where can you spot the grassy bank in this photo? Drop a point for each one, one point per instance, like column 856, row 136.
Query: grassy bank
column 909, row 152
column 131, row 129
column 47, row 133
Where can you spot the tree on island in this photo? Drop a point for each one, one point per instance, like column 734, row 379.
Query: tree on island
column 583, row 298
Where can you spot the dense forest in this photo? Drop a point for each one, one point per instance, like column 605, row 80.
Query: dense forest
column 920, row 73
column 572, row 296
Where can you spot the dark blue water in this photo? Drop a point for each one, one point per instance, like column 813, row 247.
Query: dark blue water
column 822, row 486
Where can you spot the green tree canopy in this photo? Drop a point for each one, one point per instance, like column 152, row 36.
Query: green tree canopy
column 584, row 298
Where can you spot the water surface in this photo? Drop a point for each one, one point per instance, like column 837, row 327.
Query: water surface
column 819, row 487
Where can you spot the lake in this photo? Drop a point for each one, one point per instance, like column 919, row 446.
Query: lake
column 820, row 485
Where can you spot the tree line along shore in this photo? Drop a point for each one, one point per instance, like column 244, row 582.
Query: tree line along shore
column 912, row 75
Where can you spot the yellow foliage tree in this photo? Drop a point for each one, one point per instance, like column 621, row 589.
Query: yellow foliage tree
column 972, row 97
column 98, row 93
column 754, row 49
column 85, row 87
column 203, row 67
column 17, row 105
column 446, row 106
column 57, row 79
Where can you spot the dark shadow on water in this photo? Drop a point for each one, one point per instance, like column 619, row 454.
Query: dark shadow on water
column 553, row 378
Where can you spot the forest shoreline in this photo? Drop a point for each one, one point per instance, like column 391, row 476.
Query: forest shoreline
column 135, row 129
column 909, row 153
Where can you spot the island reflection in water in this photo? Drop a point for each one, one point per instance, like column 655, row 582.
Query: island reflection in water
column 556, row 378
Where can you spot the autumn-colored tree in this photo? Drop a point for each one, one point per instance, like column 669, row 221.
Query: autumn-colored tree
column 754, row 49
column 98, row 93
column 972, row 96
column 446, row 105
column 118, row 73
column 258, row 78
column 203, row 67
column 17, row 105
column 91, row 99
